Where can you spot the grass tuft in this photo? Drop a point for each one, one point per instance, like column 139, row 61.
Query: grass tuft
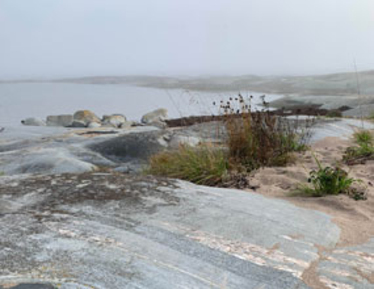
column 364, row 137
column 204, row 165
column 363, row 151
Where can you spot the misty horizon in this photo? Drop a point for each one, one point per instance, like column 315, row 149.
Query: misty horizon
column 177, row 76
column 44, row 39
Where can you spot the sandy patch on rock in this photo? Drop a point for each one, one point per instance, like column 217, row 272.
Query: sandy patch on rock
column 355, row 218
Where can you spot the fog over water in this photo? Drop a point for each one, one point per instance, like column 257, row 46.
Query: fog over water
column 22, row 100
column 67, row 38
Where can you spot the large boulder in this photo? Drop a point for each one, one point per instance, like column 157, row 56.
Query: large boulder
column 156, row 117
column 114, row 120
column 32, row 121
column 85, row 117
column 132, row 148
column 60, row 120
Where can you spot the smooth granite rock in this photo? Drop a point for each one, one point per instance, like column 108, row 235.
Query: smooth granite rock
column 155, row 117
column 119, row 231
column 33, row 121
column 86, row 116
column 114, row 120
column 60, row 120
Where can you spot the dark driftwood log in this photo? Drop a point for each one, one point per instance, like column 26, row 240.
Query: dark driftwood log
column 187, row 121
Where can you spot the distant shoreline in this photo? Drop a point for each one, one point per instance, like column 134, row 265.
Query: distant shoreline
column 337, row 84
column 331, row 91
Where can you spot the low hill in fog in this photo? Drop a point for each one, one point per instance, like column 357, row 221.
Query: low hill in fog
column 331, row 84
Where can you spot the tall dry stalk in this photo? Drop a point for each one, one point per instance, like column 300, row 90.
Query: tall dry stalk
column 359, row 94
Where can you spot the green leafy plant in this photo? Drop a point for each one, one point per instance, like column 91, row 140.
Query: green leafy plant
column 328, row 181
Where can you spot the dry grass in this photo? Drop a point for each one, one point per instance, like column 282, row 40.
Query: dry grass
column 205, row 165
column 252, row 140
column 258, row 139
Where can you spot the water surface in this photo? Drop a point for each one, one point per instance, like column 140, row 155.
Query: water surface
column 22, row 100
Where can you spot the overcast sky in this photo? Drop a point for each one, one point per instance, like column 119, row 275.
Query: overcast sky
column 53, row 38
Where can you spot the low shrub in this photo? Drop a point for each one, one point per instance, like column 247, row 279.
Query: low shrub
column 258, row 139
column 334, row 113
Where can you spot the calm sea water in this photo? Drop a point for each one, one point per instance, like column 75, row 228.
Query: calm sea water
column 22, row 100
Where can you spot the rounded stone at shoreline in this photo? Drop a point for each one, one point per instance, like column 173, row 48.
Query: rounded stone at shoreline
column 60, row 120
column 156, row 116
column 114, row 120
column 32, row 121
column 85, row 117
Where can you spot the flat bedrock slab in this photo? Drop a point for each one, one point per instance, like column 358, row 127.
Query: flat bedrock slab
column 120, row 231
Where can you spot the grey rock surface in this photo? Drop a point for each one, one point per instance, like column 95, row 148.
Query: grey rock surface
column 366, row 110
column 350, row 267
column 114, row 229
column 30, row 286
column 48, row 160
column 33, row 121
column 132, row 146
column 119, row 231
column 68, row 150
column 79, row 123
column 60, row 120
column 59, row 150
column 342, row 128
column 94, row 125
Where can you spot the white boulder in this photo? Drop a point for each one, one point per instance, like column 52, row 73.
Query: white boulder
column 32, row 121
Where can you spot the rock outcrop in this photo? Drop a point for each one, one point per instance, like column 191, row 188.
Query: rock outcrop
column 112, row 230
